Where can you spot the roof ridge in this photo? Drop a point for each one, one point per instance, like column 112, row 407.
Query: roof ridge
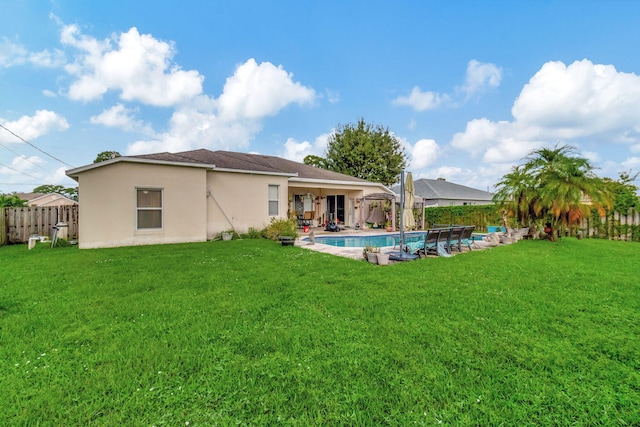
column 248, row 157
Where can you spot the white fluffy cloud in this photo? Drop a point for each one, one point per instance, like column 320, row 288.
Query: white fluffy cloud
column 421, row 101
column 33, row 170
column 252, row 93
column 123, row 118
column 32, row 127
column 14, row 54
column 478, row 78
column 193, row 127
column 582, row 101
column 297, row 151
column 256, row 91
column 481, row 76
column 424, row 153
column 632, row 163
column 138, row 66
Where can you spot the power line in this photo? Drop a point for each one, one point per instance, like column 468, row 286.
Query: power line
column 15, row 183
column 21, row 173
column 25, row 158
column 27, row 142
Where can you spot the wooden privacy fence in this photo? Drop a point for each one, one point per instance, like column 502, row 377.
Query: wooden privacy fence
column 18, row 224
column 614, row 225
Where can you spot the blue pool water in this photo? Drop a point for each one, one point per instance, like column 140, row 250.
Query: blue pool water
column 380, row 240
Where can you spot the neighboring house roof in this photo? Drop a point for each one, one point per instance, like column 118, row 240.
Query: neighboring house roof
column 29, row 196
column 232, row 161
column 49, row 199
column 440, row 189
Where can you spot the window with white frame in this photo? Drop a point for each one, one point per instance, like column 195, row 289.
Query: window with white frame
column 149, row 208
column 274, row 200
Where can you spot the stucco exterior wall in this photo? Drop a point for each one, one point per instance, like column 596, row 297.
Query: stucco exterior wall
column 241, row 200
column 108, row 205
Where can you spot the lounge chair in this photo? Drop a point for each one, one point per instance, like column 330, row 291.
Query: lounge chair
column 426, row 246
column 408, row 240
column 454, row 240
column 465, row 238
column 443, row 246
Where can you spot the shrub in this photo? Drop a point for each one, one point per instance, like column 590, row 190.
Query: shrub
column 478, row 215
column 62, row 243
column 281, row 227
column 252, row 233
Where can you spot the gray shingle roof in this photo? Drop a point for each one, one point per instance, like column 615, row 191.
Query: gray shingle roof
column 251, row 162
column 440, row 189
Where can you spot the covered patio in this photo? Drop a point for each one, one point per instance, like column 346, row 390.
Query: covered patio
column 383, row 208
column 315, row 206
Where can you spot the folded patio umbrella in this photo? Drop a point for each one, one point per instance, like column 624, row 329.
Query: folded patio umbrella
column 409, row 198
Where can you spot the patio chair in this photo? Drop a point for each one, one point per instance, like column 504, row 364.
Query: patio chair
column 465, row 238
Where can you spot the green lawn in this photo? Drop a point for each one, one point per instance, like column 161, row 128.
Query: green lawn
column 252, row 333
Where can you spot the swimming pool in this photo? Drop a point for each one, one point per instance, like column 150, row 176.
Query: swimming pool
column 379, row 240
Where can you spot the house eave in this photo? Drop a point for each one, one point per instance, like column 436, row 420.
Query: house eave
column 73, row 173
column 338, row 182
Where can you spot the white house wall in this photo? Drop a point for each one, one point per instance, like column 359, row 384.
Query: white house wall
column 239, row 201
column 108, row 205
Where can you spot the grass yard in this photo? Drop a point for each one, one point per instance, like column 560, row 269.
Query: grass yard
column 253, row 333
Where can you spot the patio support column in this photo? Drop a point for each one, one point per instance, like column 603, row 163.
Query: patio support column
column 393, row 214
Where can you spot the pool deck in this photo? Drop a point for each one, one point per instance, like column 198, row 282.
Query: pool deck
column 354, row 253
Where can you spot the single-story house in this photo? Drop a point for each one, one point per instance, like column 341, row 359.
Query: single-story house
column 193, row 196
column 439, row 192
column 50, row 199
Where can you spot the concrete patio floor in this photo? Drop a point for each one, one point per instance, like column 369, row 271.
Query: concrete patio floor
column 354, row 253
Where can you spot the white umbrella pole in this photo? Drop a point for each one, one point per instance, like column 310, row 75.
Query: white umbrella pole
column 401, row 211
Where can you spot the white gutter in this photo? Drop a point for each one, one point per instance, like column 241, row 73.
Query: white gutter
column 330, row 181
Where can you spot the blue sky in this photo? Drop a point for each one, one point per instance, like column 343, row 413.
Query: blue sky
column 469, row 87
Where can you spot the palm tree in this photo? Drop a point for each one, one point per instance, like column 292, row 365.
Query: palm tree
column 567, row 186
column 554, row 185
column 516, row 193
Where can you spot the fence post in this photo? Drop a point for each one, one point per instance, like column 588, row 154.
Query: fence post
column 3, row 227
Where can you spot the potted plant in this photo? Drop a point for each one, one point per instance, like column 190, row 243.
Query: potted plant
column 371, row 253
column 387, row 225
column 227, row 235
column 383, row 258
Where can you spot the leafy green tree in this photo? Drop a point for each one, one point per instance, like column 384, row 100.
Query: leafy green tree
column 317, row 161
column 71, row 192
column 106, row 155
column 11, row 201
column 365, row 151
column 625, row 193
column 554, row 185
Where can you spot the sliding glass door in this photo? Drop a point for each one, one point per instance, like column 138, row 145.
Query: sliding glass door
column 335, row 208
